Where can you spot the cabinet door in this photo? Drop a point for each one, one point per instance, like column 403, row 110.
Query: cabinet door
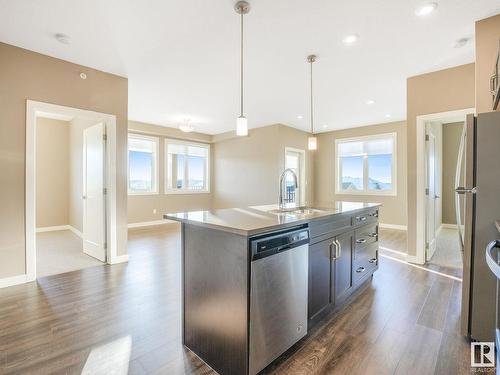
column 343, row 280
column 320, row 267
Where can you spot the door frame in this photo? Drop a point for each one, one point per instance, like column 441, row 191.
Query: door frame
column 35, row 109
column 449, row 116
column 430, row 246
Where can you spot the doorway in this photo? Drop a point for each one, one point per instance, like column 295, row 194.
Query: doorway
column 70, row 189
column 438, row 172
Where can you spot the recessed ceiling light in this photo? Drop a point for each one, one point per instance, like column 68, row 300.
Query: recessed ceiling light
column 387, row 115
column 370, row 102
column 300, row 117
column 461, row 42
column 350, row 39
column 62, row 38
column 325, row 126
column 426, row 9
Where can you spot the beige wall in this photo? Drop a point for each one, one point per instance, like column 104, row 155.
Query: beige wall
column 441, row 91
column 52, row 172
column 487, row 44
column 247, row 169
column 141, row 207
column 29, row 75
column 393, row 210
column 451, row 142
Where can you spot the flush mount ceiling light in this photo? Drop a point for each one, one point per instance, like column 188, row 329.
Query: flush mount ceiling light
column 312, row 141
column 62, row 38
column 461, row 42
column 350, row 39
column 300, row 117
column 186, row 127
column 242, row 8
column 426, row 9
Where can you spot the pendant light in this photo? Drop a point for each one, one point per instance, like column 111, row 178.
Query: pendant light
column 242, row 8
column 312, row 141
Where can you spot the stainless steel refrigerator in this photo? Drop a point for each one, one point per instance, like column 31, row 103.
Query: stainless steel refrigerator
column 478, row 207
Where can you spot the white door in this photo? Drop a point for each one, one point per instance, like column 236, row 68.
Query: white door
column 431, row 195
column 94, row 203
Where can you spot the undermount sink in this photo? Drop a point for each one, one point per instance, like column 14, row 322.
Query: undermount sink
column 295, row 211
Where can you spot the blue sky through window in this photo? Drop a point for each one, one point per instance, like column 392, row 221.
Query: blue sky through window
column 140, row 170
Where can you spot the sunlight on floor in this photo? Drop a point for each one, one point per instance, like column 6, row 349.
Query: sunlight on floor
column 111, row 358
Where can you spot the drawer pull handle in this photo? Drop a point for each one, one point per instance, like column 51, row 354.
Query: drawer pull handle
column 373, row 260
column 361, row 240
column 360, row 269
column 360, row 218
column 373, row 234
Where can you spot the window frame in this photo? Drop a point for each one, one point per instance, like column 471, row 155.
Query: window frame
column 155, row 182
column 168, row 190
column 302, row 171
column 366, row 190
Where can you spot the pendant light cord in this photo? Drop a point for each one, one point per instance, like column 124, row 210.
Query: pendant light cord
column 241, row 68
column 312, row 116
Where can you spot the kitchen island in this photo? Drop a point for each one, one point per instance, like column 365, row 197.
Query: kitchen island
column 255, row 279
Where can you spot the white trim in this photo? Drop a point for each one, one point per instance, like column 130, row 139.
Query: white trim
column 33, row 110
column 413, row 259
column 58, row 228
column 393, row 226
column 52, row 229
column 156, row 164
column 118, row 259
column 422, row 268
column 208, row 166
column 392, row 251
column 149, row 223
column 13, row 280
column 448, row 226
column 445, row 117
column 393, row 192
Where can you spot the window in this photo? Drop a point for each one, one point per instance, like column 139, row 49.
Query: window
column 295, row 160
column 366, row 165
column 142, row 164
column 188, row 167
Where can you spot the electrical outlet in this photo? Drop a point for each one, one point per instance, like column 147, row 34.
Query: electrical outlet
column 154, row 211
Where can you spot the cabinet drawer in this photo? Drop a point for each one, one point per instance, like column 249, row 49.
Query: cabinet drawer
column 365, row 261
column 365, row 217
column 366, row 235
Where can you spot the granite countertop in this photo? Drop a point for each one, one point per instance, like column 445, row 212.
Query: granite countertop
column 248, row 221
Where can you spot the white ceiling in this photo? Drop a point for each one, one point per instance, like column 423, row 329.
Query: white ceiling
column 182, row 56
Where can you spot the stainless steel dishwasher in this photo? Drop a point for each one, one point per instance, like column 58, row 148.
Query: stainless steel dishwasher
column 278, row 295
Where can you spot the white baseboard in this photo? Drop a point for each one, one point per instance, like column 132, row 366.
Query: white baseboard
column 58, row 228
column 14, row 280
column 149, row 223
column 393, row 226
column 119, row 259
column 449, row 226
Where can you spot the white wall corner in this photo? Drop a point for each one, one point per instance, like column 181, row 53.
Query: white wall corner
column 14, row 280
column 413, row 259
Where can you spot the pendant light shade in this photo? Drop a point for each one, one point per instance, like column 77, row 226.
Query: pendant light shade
column 242, row 8
column 312, row 141
column 241, row 126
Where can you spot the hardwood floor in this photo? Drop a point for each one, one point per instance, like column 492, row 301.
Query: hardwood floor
column 107, row 317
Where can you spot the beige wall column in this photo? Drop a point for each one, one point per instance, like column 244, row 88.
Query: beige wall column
column 441, row 91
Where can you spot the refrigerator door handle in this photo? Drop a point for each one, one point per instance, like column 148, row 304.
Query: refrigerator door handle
column 463, row 190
